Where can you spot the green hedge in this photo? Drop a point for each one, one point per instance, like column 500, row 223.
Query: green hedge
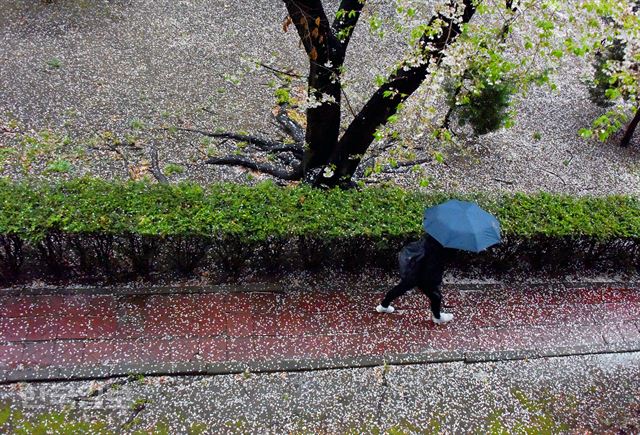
column 265, row 211
column 50, row 220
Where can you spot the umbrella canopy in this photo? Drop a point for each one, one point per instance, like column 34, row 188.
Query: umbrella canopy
column 462, row 225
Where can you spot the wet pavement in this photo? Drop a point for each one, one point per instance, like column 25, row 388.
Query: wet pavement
column 92, row 334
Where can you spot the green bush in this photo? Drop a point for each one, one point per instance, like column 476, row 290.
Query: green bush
column 602, row 83
column 91, row 224
column 482, row 96
column 266, row 210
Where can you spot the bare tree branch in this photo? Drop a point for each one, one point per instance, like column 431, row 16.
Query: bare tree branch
column 293, row 149
column 446, row 121
column 290, row 155
column 346, row 98
column 628, row 134
column 389, row 168
column 553, row 173
column 402, row 167
column 263, row 144
column 411, row 163
column 509, row 182
column 374, row 154
column 288, row 159
column 290, row 126
column 155, row 167
column 399, row 86
column 266, row 168
column 278, row 71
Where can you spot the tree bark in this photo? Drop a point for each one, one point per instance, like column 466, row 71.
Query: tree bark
column 323, row 120
column 326, row 54
column 384, row 102
column 628, row 135
column 320, row 43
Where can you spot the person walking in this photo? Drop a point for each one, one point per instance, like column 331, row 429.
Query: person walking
column 455, row 224
column 426, row 274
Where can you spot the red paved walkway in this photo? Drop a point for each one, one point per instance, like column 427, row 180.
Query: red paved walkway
column 79, row 331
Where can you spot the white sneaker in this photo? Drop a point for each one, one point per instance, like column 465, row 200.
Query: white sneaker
column 444, row 318
column 387, row 310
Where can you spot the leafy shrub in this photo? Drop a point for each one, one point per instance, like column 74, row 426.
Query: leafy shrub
column 11, row 256
column 53, row 249
column 97, row 227
column 482, row 96
column 173, row 169
column 141, row 252
column 603, row 83
column 615, row 80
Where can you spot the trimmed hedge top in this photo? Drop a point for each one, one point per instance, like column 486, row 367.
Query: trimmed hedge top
column 264, row 211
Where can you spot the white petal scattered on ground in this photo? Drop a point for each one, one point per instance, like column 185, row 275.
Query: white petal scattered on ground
column 587, row 393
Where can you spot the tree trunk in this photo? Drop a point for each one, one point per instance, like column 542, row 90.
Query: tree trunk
column 323, row 120
column 628, row 135
column 326, row 55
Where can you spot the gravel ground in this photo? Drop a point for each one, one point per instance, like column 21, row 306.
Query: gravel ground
column 556, row 395
column 95, row 70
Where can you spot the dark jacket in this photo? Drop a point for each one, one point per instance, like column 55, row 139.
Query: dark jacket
column 431, row 266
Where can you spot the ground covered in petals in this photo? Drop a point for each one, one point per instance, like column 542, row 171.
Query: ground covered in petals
column 549, row 395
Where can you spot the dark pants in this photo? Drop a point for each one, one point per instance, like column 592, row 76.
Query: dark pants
column 431, row 289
